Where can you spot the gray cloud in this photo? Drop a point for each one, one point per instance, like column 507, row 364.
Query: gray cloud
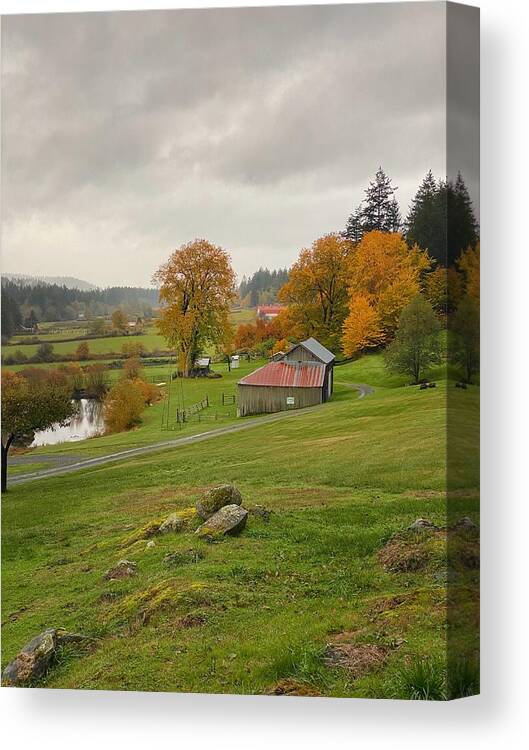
column 126, row 134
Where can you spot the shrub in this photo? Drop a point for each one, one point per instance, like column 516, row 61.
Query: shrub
column 83, row 351
column 132, row 368
column 44, row 353
column 150, row 392
column 96, row 382
column 133, row 349
column 123, row 406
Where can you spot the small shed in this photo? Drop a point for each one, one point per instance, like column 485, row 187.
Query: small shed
column 278, row 386
column 201, row 366
column 311, row 350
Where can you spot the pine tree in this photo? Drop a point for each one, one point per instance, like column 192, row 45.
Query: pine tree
column 354, row 229
column 441, row 219
column 462, row 225
column 380, row 204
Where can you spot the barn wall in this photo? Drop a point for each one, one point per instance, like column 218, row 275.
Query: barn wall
column 299, row 354
column 260, row 399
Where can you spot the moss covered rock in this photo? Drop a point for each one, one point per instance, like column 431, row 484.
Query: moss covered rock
column 231, row 519
column 216, row 498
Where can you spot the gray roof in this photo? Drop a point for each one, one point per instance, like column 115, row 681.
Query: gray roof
column 319, row 351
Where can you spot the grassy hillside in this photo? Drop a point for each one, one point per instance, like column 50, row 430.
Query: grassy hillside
column 276, row 608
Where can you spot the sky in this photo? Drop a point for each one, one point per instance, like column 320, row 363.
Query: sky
column 127, row 134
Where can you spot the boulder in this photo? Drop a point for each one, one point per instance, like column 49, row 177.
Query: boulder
column 124, row 569
column 33, row 661
column 231, row 519
column 421, row 523
column 174, row 522
column 216, row 498
column 465, row 523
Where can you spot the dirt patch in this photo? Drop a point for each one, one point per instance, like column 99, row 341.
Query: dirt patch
column 192, row 621
column 158, row 500
column 288, row 686
column 391, row 603
column 357, row 658
column 404, row 555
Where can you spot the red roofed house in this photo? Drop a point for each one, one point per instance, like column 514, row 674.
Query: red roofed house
column 268, row 312
column 303, row 377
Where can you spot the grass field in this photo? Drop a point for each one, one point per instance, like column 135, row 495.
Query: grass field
column 276, row 608
column 151, row 340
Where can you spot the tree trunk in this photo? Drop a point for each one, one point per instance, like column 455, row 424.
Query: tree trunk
column 5, row 451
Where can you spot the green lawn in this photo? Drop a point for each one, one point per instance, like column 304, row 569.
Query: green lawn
column 254, row 612
column 151, row 341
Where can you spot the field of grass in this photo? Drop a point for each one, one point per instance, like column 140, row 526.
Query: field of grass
column 151, row 341
column 305, row 603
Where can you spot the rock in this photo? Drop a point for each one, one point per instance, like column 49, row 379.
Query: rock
column 216, row 498
column 174, row 522
column 124, row 569
column 150, row 544
column 465, row 523
column 259, row 511
column 421, row 523
column 33, row 661
column 231, row 519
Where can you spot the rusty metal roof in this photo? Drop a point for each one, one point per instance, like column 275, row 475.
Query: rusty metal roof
column 287, row 375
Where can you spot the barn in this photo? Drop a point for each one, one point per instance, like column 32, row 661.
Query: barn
column 303, row 377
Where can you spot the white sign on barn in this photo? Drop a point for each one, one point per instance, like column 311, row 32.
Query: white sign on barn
column 290, row 401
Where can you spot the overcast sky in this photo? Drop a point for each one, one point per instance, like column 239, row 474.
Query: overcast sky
column 127, row 134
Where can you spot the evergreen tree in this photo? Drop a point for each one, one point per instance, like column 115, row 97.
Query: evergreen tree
column 379, row 210
column 441, row 219
column 354, row 229
column 380, row 204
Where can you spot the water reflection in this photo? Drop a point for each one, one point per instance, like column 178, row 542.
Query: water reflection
column 87, row 422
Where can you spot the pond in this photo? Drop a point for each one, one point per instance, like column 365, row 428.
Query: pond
column 87, row 422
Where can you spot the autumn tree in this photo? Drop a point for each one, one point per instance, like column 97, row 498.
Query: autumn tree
column 316, row 291
column 83, row 351
column 197, row 286
column 132, row 368
column 383, row 277
column 464, row 337
column 119, row 321
column 123, row 405
column 416, row 345
column 469, row 266
column 361, row 329
column 29, row 407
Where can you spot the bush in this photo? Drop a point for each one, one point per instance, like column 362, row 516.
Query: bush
column 150, row 392
column 44, row 353
column 96, row 382
column 83, row 351
column 133, row 349
column 132, row 368
column 123, row 406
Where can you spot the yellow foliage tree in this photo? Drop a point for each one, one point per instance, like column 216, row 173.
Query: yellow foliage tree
column 361, row 330
column 197, row 286
column 469, row 266
column 386, row 274
column 316, row 290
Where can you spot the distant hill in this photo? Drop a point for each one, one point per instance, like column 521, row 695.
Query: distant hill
column 70, row 282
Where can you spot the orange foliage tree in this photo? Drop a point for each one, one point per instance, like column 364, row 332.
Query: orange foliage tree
column 384, row 276
column 197, row 286
column 316, row 290
column 469, row 266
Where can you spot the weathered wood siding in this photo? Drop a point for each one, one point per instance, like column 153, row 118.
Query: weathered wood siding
column 299, row 354
column 260, row 399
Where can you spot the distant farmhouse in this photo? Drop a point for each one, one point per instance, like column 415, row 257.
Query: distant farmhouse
column 301, row 377
column 268, row 312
